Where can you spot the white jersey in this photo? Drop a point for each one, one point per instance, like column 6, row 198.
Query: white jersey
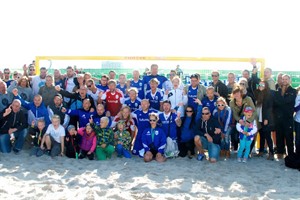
column 177, row 98
column 94, row 95
column 36, row 84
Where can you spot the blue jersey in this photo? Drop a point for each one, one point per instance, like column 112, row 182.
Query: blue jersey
column 161, row 79
column 123, row 89
column 211, row 104
column 133, row 105
column 143, row 119
column 82, row 114
column 155, row 99
column 103, row 88
column 192, row 95
column 60, row 83
column 139, row 86
column 168, row 125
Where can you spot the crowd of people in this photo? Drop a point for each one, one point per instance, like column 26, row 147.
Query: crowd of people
column 150, row 116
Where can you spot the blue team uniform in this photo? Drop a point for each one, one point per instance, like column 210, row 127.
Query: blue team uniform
column 211, row 104
column 142, row 124
column 139, row 86
column 170, row 130
column 133, row 105
column 155, row 99
column 192, row 94
column 160, row 78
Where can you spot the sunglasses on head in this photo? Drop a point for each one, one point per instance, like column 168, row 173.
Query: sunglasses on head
column 207, row 113
column 219, row 105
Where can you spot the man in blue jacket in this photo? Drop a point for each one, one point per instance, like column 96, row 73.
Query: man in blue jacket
column 36, row 109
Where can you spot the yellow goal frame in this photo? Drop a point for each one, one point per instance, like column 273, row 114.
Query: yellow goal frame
column 145, row 58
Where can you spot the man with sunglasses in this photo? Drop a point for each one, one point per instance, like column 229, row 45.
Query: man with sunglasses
column 220, row 88
column 195, row 91
column 208, row 136
column 6, row 77
column 93, row 91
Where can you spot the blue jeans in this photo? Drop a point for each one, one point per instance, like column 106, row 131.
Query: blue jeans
column 244, row 145
column 297, row 139
column 225, row 142
column 122, row 151
column 213, row 149
column 5, row 144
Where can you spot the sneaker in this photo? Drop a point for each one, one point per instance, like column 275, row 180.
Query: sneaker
column 260, row 154
column 245, row 160
column 48, row 152
column 239, row 159
column 200, row 157
column 16, row 151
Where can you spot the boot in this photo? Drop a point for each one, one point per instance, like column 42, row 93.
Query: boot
column 228, row 154
column 222, row 154
column 270, row 157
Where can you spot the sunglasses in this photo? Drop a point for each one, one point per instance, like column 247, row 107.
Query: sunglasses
column 15, row 74
column 88, row 86
column 261, row 85
column 189, row 111
column 219, row 105
column 206, row 113
column 32, row 70
column 213, row 75
column 6, row 73
column 152, row 120
column 242, row 84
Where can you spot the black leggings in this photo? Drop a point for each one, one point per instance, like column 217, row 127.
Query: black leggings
column 265, row 134
column 184, row 147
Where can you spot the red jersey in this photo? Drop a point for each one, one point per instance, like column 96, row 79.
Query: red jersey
column 113, row 101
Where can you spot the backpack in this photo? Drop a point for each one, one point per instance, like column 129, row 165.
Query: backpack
column 292, row 161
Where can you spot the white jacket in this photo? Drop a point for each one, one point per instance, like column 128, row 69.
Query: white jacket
column 175, row 96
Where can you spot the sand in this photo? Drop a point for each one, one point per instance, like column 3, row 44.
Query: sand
column 25, row 177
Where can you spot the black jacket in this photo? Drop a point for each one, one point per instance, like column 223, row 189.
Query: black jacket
column 221, row 88
column 284, row 105
column 209, row 126
column 267, row 107
column 34, row 131
column 252, row 83
column 13, row 120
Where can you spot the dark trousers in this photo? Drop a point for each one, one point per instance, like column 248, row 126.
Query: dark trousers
column 84, row 154
column 184, row 147
column 284, row 133
column 297, row 130
column 265, row 134
column 234, row 138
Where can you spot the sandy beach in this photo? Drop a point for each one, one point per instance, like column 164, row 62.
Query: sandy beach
column 25, row 177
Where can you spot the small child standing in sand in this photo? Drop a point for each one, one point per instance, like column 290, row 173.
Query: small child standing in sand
column 247, row 130
column 71, row 142
column 122, row 140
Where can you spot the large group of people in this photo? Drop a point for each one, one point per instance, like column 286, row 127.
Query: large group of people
column 150, row 116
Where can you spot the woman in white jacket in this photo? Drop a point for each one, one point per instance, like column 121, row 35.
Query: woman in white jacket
column 176, row 96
